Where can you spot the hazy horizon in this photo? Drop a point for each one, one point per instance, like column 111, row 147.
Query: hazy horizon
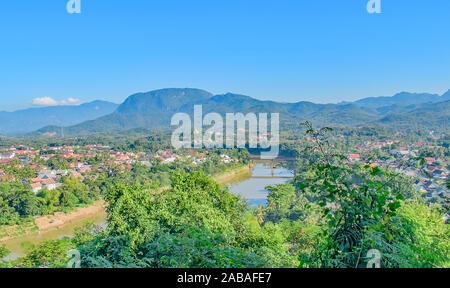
column 258, row 98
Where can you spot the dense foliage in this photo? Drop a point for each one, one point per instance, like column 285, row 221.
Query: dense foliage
column 333, row 214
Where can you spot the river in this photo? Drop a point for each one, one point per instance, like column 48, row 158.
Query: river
column 17, row 246
column 251, row 186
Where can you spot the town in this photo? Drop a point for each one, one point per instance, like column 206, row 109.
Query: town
column 48, row 166
column 429, row 173
column 78, row 162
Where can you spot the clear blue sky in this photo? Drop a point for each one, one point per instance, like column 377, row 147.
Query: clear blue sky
column 285, row 50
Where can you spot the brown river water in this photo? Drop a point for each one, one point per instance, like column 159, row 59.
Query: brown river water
column 249, row 185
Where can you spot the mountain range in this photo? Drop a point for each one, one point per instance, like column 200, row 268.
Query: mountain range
column 28, row 120
column 154, row 109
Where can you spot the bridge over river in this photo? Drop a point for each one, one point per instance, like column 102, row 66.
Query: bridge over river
column 272, row 164
column 272, row 177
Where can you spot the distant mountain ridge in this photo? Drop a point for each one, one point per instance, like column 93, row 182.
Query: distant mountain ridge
column 28, row 120
column 446, row 96
column 403, row 98
column 155, row 108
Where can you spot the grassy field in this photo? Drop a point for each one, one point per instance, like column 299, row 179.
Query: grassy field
column 10, row 232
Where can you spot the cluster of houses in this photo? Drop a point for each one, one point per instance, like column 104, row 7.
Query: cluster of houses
column 167, row 156
column 78, row 159
column 38, row 183
column 49, row 177
column 430, row 173
column 194, row 157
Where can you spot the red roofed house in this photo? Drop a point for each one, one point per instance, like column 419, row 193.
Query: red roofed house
column 6, row 177
column 49, row 184
column 36, row 180
column 355, row 157
column 35, row 187
column 77, row 175
column 84, row 169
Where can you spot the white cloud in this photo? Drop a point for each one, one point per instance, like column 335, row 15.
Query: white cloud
column 44, row 101
column 70, row 101
column 48, row 101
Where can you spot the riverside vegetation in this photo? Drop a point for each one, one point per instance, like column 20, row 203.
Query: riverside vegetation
column 331, row 215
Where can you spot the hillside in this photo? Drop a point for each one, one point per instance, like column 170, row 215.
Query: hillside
column 431, row 116
column 24, row 121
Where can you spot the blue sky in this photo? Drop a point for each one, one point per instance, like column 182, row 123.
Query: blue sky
column 285, row 50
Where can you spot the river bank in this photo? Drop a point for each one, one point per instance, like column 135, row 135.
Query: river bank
column 59, row 220
column 15, row 231
column 52, row 222
column 248, row 182
column 227, row 176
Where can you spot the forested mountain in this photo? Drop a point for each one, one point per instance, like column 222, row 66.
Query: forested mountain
column 434, row 116
column 28, row 120
column 154, row 110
